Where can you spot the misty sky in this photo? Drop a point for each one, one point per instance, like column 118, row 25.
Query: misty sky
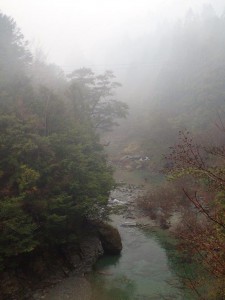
column 80, row 32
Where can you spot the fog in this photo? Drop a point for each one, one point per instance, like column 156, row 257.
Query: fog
column 161, row 51
column 97, row 33
column 131, row 86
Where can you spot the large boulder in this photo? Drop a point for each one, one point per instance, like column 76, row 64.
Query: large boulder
column 110, row 238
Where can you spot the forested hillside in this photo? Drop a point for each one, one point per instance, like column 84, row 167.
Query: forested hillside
column 53, row 170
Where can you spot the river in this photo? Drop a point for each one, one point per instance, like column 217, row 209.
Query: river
column 147, row 267
column 141, row 271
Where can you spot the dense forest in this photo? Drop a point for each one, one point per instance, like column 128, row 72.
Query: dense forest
column 53, row 169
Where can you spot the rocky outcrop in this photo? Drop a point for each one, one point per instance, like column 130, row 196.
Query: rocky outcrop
column 43, row 268
column 83, row 258
column 110, row 238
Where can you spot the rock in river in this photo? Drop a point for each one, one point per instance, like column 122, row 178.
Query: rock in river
column 109, row 237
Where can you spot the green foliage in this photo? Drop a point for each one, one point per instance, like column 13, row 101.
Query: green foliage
column 53, row 170
column 28, row 178
column 18, row 230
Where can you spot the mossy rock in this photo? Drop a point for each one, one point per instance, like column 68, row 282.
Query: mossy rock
column 110, row 238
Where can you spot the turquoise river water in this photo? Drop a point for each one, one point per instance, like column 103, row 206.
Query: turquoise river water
column 146, row 269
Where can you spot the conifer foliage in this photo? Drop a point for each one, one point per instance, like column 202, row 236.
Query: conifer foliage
column 53, row 170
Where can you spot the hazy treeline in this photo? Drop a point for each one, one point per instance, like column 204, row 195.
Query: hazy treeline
column 176, row 81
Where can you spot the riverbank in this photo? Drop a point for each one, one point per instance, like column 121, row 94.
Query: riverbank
column 146, row 268
column 41, row 270
column 147, row 264
column 141, row 271
column 76, row 285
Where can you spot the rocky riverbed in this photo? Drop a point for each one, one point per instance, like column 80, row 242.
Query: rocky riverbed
column 123, row 200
